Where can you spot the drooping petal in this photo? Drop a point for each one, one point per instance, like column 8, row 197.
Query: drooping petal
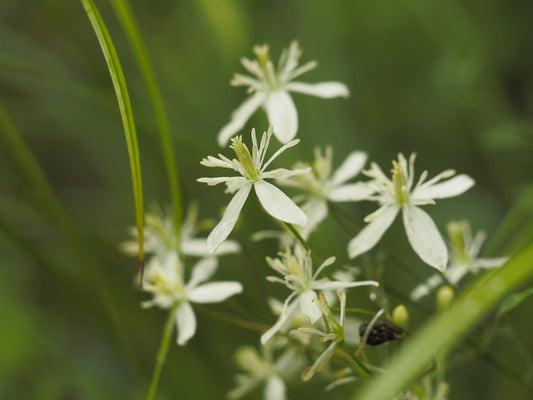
column 240, row 116
column 226, row 224
column 214, row 292
column 349, row 168
column 370, row 234
column 185, row 323
column 320, row 363
column 326, row 90
column 202, row 271
column 424, row 237
column 275, row 388
column 351, row 192
column 309, row 306
column 285, row 317
column 278, row 204
column 198, row 248
column 450, row 188
column 282, row 115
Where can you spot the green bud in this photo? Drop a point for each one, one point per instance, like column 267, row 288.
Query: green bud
column 445, row 296
column 400, row 316
column 332, row 326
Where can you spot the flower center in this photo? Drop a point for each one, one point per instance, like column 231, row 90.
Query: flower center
column 263, row 57
column 244, row 157
column 456, row 235
column 398, row 182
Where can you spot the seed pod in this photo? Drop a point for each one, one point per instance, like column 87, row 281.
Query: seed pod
column 381, row 332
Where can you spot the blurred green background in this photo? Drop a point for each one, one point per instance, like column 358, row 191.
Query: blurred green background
column 450, row 80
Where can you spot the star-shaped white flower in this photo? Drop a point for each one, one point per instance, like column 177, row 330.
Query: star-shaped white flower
column 165, row 282
column 297, row 272
column 323, row 186
column 400, row 193
column 252, row 170
column 266, row 370
column 270, row 89
column 464, row 251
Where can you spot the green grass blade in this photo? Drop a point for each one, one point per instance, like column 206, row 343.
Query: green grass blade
column 129, row 23
column 126, row 112
column 440, row 334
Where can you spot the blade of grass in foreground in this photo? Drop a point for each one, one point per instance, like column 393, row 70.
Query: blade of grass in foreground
column 440, row 334
column 126, row 112
column 127, row 19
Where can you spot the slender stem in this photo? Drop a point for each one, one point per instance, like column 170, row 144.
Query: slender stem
column 296, row 235
column 162, row 353
column 356, row 364
column 242, row 323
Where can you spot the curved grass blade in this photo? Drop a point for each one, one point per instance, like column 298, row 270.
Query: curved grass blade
column 129, row 23
column 439, row 335
column 126, row 113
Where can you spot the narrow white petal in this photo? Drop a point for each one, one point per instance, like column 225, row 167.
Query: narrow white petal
column 282, row 115
column 351, row 192
column 185, row 323
column 320, row 363
column 370, row 234
column 450, row 188
column 198, row 248
column 202, row 271
column 275, row 388
column 334, row 285
column 424, row 237
column 489, row 263
column 278, row 204
column 349, row 168
column 214, row 292
column 285, row 317
column 309, row 307
column 226, row 224
column 240, row 116
column 326, row 90
column 427, row 287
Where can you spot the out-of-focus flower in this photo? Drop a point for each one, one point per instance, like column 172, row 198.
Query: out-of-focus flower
column 323, row 185
column 297, row 272
column 464, row 251
column 251, row 168
column 265, row 370
column 270, row 87
column 400, row 193
column 165, row 282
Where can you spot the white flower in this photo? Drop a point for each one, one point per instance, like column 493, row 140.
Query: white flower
column 263, row 369
column 252, row 174
column 165, row 282
column 271, row 87
column 323, row 186
column 464, row 251
column 161, row 240
column 297, row 272
column 400, row 193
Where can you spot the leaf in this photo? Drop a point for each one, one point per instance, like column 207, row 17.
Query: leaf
column 513, row 301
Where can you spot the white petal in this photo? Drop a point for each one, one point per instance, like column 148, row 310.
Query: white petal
column 489, row 263
column 214, row 292
column 321, row 363
column 226, row 224
column 240, row 116
column 424, row 237
column 278, row 204
column 185, row 323
column 450, row 188
column 282, row 115
column 325, row 90
column 285, row 317
column 275, row 388
column 334, row 285
column 351, row 192
column 349, row 168
column 309, row 307
column 370, row 234
column 316, row 211
column 202, row 271
column 198, row 248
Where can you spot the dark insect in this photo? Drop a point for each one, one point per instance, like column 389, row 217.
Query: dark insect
column 381, row 332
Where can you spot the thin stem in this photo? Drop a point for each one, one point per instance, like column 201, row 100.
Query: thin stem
column 296, row 235
column 242, row 323
column 162, row 354
column 356, row 364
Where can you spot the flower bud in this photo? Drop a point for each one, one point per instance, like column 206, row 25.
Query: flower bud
column 444, row 297
column 400, row 316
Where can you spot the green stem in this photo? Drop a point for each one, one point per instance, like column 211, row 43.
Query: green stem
column 242, row 323
column 357, row 365
column 129, row 23
column 296, row 235
column 162, row 353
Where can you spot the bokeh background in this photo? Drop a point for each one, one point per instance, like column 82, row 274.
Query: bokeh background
column 450, row 80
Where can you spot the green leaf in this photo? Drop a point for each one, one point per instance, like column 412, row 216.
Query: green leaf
column 513, row 301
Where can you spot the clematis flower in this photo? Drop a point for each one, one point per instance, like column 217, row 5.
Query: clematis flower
column 251, row 168
column 323, row 186
column 400, row 193
column 297, row 271
column 265, row 369
column 270, row 89
column 160, row 237
column 165, row 282
column 464, row 251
